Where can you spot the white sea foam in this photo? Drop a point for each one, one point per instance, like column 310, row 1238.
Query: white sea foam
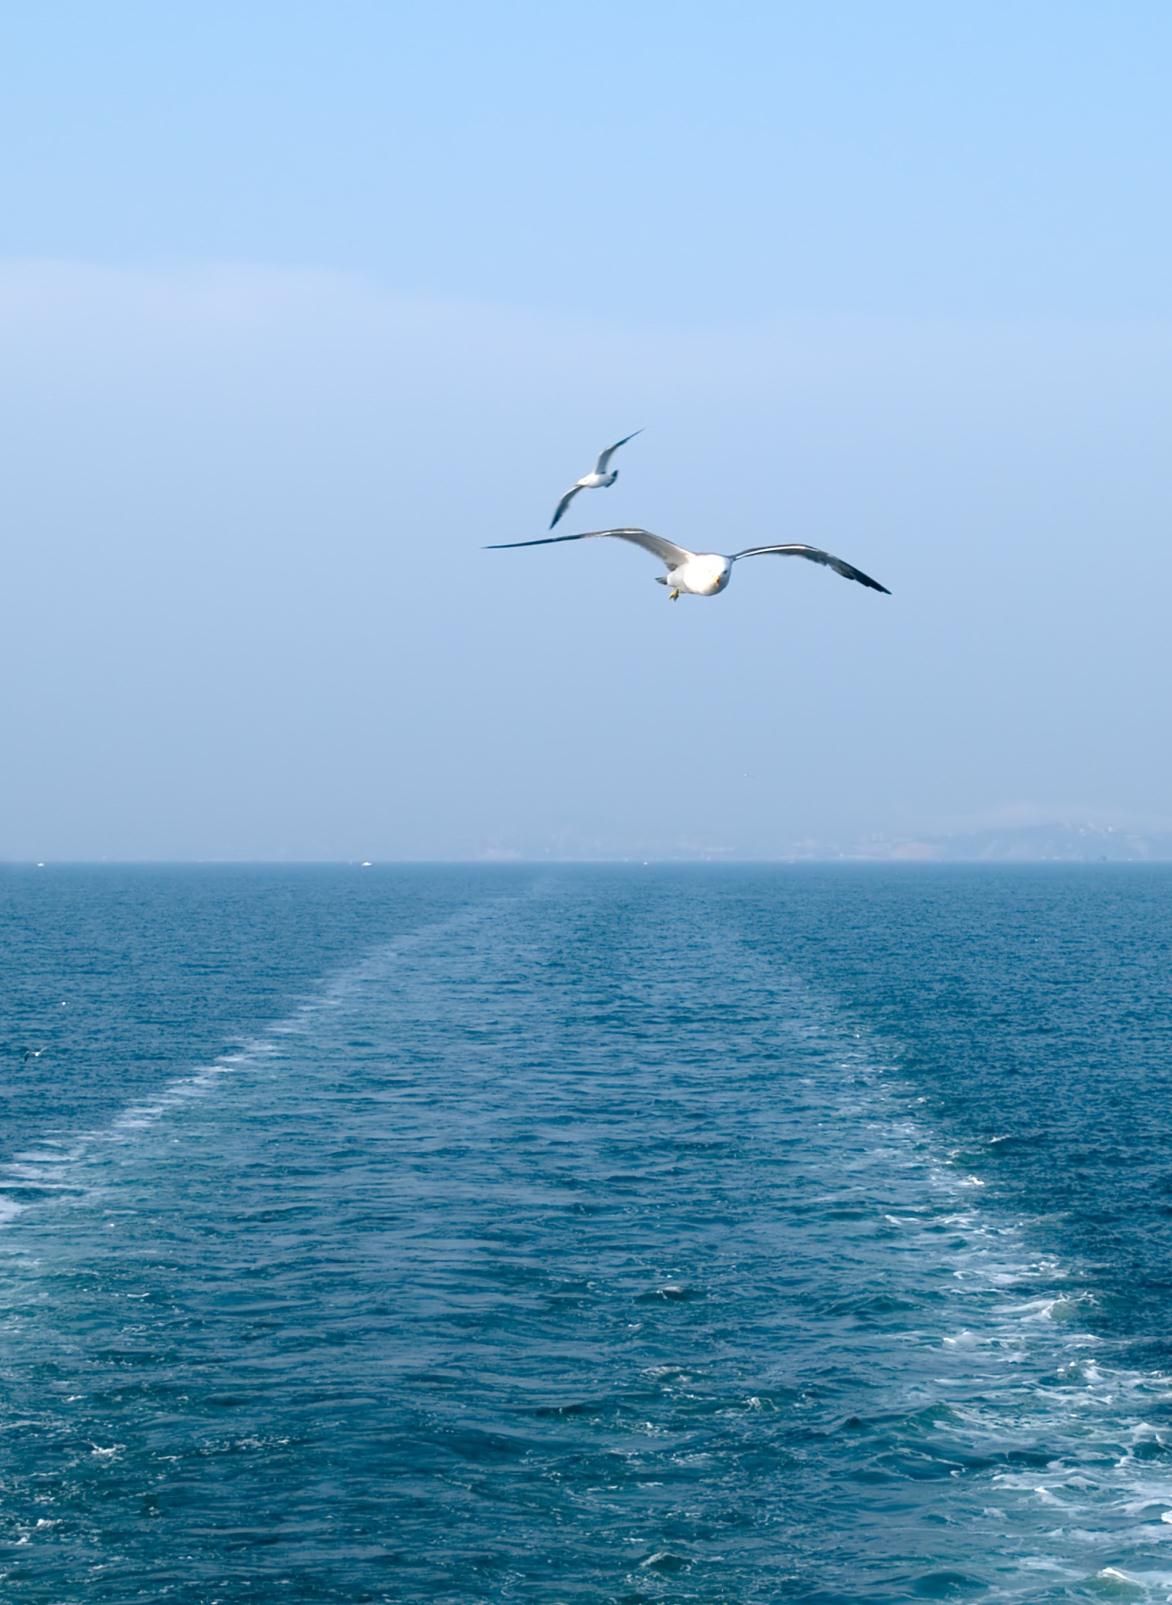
column 997, row 1359
column 1026, row 1374
column 64, row 1168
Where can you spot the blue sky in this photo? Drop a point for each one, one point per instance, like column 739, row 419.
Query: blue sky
column 301, row 305
column 654, row 162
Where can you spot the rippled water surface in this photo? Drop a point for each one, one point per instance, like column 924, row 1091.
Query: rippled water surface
column 585, row 1234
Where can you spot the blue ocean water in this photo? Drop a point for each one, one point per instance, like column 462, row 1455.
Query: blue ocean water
column 583, row 1235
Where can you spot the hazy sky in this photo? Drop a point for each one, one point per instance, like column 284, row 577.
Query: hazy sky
column 301, row 304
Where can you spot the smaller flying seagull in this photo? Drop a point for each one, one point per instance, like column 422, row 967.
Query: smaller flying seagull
column 598, row 480
column 702, row 573
column 32, row 1053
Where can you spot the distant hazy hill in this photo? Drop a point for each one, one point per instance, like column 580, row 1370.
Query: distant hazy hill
column 1052, row 842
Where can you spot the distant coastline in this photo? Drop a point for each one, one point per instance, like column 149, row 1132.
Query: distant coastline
column 1022, row 845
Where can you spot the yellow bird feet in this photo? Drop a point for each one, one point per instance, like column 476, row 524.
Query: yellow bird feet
column 673, row 596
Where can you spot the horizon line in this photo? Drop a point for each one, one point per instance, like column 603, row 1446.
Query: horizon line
column 634, row 860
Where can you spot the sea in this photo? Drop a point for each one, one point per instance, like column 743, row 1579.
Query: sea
column 585, row 1234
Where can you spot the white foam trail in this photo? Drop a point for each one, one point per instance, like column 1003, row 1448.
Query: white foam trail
column 1022, row 1371
column 53, row 1168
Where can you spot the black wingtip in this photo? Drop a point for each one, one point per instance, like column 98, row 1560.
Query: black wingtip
column 872, row 585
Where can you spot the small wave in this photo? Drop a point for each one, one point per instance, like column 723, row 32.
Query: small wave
column 672, row 1292
column 1111, row 1583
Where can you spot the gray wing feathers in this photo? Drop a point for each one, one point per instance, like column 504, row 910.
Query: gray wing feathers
column 604, row 457
column 815, row 555
column 667, row 551
column 564, row 503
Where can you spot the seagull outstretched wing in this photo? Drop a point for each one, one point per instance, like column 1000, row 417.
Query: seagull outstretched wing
column 604, row 457
column 667, row 551
column 815, row 555
column 564, row 503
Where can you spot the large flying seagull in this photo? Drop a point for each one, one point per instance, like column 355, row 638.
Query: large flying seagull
column 701, row 573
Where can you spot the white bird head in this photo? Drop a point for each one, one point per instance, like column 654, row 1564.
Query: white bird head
column 708, row 572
